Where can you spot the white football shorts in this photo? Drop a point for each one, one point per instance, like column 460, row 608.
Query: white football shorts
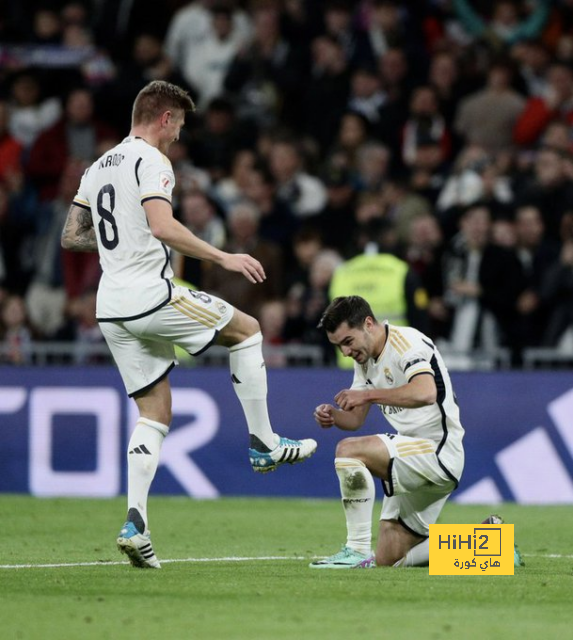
column 143, row 349
column 418, row 487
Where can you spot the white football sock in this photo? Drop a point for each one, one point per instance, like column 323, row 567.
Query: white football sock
column 418, row 556
column 249, row 378
column 358, row 495
column 142, row 460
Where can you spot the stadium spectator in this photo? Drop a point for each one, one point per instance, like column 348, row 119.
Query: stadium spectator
column 402, row 205
column 273, row 319
column 307, row 244
column 83, row 329
column 278, row 223
column 555, row 103
column 207, row 63
column 353, row 132
column 425, row 122
column 372, row 167
column 366, row 94
column 428, row 169
column 188, row 176
column 192, row 24
column 385, row 28
column 30, row 113
column 46, row 27
column 213, row 144
column 481, row 285
column 327, row 94
column 74, row 137
column 475, row 177
column 230, row 190
column 394, row 73
column 306, row 303
column 243, row 224
column 505, row 25
column 557, row 293
column 423, row 251
column 10, row 148
column 22, row 219
column 486, row 118
column 369, row 206
column 336, row 221
column 46, row 296
column 15, row 331
column 532, row 59
column 550, row 190
column 303, row 193
column 557, row 135
column 117, row 23
column 444, row 77
column 266, row 78
column 199, row 214
column 393, row 289
column 339, row 24
column 147, row 62
column 536, row 255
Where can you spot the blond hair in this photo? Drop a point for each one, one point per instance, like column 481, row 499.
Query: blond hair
column 156, row 98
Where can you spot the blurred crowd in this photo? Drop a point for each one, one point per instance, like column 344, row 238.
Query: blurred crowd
column 417, row 153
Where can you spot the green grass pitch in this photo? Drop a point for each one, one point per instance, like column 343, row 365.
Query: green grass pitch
column 239, row 570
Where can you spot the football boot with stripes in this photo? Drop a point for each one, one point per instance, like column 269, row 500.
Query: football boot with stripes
column 137, row 547
column 346, row 558
column 287, row 451
column 517, row 558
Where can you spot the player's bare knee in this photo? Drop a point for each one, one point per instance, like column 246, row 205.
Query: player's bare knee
column 348, row 448
column 241, row 327
column 252, row 326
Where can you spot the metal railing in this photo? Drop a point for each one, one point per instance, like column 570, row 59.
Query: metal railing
column 77, row 353
column 289, row 355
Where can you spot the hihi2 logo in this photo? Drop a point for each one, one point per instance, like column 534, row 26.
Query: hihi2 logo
column 469, row 549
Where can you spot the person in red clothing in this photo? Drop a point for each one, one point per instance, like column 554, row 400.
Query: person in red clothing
column 74, row 137
column 10, row 148
column 555, row 104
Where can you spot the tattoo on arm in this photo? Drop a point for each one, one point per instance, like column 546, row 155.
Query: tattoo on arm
column 79, row 233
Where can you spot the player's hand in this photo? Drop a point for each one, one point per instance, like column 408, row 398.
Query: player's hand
column 348, row 399
column 324, row 415
column 243, row 263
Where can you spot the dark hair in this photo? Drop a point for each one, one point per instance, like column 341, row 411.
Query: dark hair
column 156, row 98
column 263, row 170
column 350, row 309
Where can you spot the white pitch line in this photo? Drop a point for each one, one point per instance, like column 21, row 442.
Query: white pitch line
column 111, row 563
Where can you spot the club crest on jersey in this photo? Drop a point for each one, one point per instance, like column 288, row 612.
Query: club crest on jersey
column 165, row 182
column 221, row 307
column 388, row 375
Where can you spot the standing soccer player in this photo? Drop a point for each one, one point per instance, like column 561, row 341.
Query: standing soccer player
column 400, row 370
column 123, row 211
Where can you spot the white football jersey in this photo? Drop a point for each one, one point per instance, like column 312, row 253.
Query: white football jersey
column 136, row 267
column 408, row 353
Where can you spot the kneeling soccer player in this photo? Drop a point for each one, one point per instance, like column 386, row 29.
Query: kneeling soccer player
column 400, row 370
